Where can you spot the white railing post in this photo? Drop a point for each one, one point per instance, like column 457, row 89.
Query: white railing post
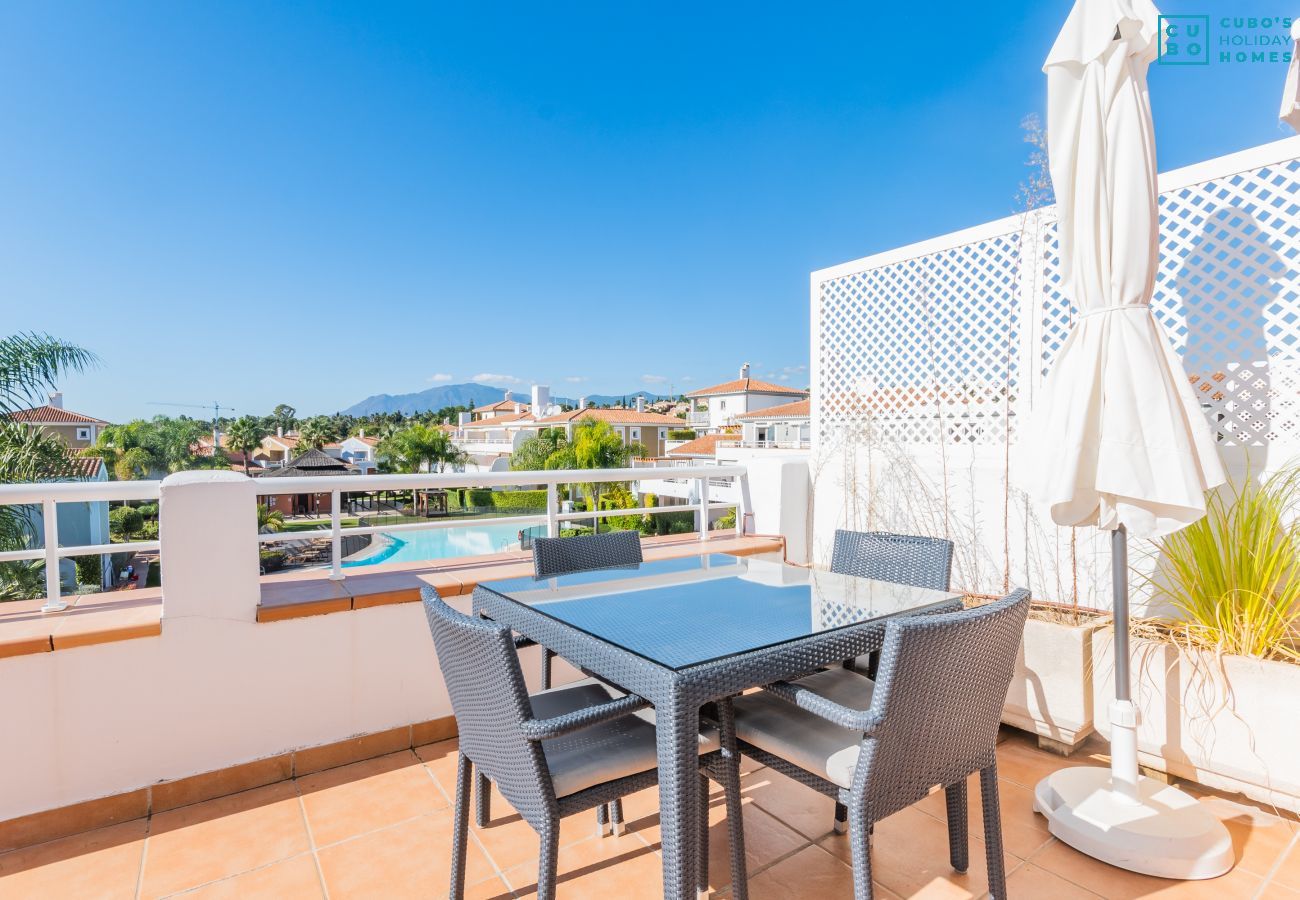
column 336, row 538
column 704, row 508
column 50, row 514
column 741, row 483
column 552, row 510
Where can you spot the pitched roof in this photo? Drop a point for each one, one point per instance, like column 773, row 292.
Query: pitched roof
column 702, row 446
column 53, row 415
column 313, row 462
column 747, row 386
column 286, row 440
column 497, row 421
column 799, row 409
column 503, row 405
column 613, row 417
column 83, row 466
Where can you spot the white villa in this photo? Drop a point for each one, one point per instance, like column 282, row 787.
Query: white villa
column 725, row 403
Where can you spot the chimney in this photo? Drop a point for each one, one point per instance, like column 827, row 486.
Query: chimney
column 507, row 397
column 640, row 403
column 744, row 371
column 519, row 407
column 279, row 431
column 56, row 399
column 582, row 403
column 463, row 420
column 541, row 400
column 363, row 432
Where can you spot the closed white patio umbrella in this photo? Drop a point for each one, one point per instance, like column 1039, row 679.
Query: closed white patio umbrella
column 1290, row 111
column 1117, row 439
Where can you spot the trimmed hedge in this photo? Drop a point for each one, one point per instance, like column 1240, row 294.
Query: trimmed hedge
column 500, row 501
column 681, row 434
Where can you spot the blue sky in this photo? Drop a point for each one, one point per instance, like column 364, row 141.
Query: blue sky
column 310, row 203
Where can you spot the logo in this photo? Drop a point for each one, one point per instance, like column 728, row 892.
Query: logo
column 1187, row 40
column 1184, row 40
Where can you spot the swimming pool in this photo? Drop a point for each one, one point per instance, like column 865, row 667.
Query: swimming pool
column 438, row 543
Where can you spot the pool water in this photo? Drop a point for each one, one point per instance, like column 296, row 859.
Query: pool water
column 437, row 543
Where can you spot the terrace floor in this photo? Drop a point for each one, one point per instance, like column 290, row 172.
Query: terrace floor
column 381, row 828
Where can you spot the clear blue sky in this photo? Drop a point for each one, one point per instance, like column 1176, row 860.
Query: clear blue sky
column 309, row 203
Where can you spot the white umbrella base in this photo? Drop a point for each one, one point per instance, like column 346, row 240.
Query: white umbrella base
column 1165, row 832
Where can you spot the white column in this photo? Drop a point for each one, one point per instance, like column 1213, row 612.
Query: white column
column 207, row 531
column 50, row 521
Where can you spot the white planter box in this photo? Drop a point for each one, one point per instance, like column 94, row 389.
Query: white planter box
column 1051, row 692
column 1227, row 722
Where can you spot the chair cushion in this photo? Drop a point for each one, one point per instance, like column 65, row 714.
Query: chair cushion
column 801, row 738
column 591, row 756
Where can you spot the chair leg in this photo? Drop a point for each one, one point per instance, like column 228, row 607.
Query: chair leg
column 731, row 789
column 602, row 819
column 703, row 869
column 958, row 841
column 616, row 816
column 460, row 834
column 860, row 844
column 841, row 818
column 993, row 831
column 482, row 800
column 546, row 669
column 548, row 861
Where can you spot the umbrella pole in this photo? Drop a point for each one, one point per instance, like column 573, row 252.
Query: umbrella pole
column 1123, row 712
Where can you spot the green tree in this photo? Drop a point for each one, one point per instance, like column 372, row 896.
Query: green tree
column 595, row 445
column 125, row 522
column 532, row 453
column 31, row 365
column 419, row 447
column 318, row 431
column 244, row 436
column 158, row 446
column 284, row 416
column 269, row 520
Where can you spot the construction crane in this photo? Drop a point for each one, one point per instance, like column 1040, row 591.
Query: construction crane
column 216, row 417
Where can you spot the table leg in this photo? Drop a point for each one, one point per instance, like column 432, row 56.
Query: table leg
column 678, row 729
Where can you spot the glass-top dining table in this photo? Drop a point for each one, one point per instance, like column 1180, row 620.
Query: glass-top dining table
column 684, row 632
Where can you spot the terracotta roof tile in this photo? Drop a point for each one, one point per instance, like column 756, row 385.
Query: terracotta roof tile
column 614, row 417
column 501, row 405
column 702, row 446
column 84, row 466
column 747, row 385
column 799, row 409
column 53, row 415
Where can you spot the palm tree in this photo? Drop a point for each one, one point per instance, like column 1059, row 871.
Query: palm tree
column 30, row 366
column 533, row 453
column 595, row 445
column 316, row 432
column 244, row 436
column 419, row 448
column 269, row 520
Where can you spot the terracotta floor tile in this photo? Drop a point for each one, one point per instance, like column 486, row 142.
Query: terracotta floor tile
column 291, row 879
column 910, row 852
column 1031, row 881
column 766, row 840
column 1021, row 762
column 810, row 813
column 1023, row 830
column 97, row 864
column 1288, row 873
column 215, row 839
column 412, row 859
column 440, row 759
column 1120, row 884
column 512, row 842
column 1274, row 891
column 598, row 869
column 361, row 797
column 1258, row 838
column 812, row 872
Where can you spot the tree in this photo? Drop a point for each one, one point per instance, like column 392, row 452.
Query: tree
column 284, row 416
column 318, row 431
column 158, row 446
column 124, row 522
column 269, row 520
column 31, row 365
column 532, row 453
column 244, row 436
column 419, row 447
column 595, row 445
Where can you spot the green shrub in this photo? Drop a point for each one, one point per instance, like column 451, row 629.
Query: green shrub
column 148, row 510
column 498, row 501
column 727, row 522
column 681, row 434
column 154, row 577
column 124, row 522
column 680, row 527
column 89, row 570
column 271, row 560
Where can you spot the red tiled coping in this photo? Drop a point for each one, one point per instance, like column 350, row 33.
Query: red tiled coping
column 89, row 619
column 297, row 594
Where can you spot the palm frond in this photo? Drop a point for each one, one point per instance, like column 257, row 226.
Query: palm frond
column 32, row 363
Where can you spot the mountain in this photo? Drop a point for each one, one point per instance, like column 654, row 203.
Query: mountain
column 469, row 394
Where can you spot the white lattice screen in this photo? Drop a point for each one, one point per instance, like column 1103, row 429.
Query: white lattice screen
column 928, row 348
column 924, row 358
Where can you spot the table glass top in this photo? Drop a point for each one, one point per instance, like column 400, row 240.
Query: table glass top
column 684, row 612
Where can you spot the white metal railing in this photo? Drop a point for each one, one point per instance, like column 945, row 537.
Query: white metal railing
column 802, row 444
column 551, row 516
column 47, row 496
column 698, row 417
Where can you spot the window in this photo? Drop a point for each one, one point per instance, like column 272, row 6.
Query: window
column 83, row 434
column 722, row 405
column 636, row 433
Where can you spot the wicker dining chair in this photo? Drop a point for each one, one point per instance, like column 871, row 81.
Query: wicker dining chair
column 560, row 751
column 930, row 719
column 583, row 553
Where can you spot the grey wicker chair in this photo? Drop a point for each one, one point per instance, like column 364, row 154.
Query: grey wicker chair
column 583, row 553
column 561, row 751
column 930, row 719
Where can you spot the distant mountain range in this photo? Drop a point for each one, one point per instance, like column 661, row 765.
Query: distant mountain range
column 469, row 394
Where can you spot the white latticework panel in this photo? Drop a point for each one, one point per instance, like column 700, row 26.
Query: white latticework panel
column 924, row 348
